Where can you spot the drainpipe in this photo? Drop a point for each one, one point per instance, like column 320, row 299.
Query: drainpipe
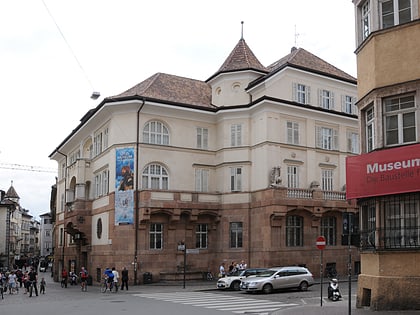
column 136, row 217
column 65, row 202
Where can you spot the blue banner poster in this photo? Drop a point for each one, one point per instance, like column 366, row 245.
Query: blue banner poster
column 124, row 186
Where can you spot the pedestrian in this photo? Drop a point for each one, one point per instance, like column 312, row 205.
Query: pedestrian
column 64, row 276
column 42, row 285
column 242, row 265
column 124, row 279
column 12, row 279
column 116, row 278
column 222, row 270
column 33, row 279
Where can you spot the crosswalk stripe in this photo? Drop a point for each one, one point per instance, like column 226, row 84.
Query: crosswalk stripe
column 237, row 305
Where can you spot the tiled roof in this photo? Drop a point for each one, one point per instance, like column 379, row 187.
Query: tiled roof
column 241, row 58
column 11, row 193
column 301, row 58
column 171, row 88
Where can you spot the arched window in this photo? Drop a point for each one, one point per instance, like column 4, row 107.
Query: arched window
column 156, row 133
column 155, row 176
column 294, row 231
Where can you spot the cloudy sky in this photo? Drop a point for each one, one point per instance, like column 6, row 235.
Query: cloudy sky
column 55, row 53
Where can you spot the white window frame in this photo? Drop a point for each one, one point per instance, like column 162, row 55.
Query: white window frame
column 292, row 176
column 236, row 235
column 236, row 178
column 365, row 19
column 156, row 236
column 236, row 135
column 301, row 93
column 100, row 141
column 326, row 99
column 395, row 14
column 202, row 180
column 370, row 128
column 155, row 176
column 102, row 183
column 327, row 179
column 201, row 235
column 292, row 132
column 397, row 112
column 202, row 138
column 353, row 142
column 326, row 138
column 155, row 132
column 348, row 104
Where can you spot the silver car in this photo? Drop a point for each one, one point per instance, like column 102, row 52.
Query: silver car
column 292, row 277
column 233, row 281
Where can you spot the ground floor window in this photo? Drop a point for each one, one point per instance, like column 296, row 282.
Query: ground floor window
column 236, row 234
column 156, row 236
column 294, row 231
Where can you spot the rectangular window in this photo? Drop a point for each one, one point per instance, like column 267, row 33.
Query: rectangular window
column 201, row 235
column 368, row 221
column 294, row 231
column 395, row 12
column 236, row 135
column 366, row 19
column 326, row 99
column 326, row 138
column 63, row 170
column 400, row 120
column 236, row 179
column 293, row 176
column 327, row 179
column 348, row 105
column 202, row 138
column 352, row 142
column 292, row 132
column 101, row 183
column 156, row 236
column 370, row 128
column 329, row 230
column 236, row 234
column 301, row 93
column 202, row 180
column 61, row 237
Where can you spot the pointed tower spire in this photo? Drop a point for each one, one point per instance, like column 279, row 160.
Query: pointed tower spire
column 242, row 29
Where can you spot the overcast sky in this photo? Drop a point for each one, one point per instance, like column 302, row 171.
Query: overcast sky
column 55, row 53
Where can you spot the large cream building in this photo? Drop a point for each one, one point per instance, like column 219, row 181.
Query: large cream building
column 385, row 178
column 248, row 165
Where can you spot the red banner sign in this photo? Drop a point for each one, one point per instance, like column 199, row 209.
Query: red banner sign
column 385, row 172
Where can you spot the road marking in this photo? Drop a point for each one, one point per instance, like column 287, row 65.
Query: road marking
column 235, row 304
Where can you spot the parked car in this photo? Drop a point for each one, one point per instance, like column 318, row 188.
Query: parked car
column 233, row 281
column 279, row 278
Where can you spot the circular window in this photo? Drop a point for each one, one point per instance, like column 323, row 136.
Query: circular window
column 99, row 228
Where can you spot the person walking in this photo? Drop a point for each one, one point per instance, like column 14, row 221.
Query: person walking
column 124, row 279
column 64, row 276
column 83, row 278
column 33, row 279
column 222, row 270
column 42, row 285
column 116, row 278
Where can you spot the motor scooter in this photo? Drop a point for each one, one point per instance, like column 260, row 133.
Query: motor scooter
column 333, row 291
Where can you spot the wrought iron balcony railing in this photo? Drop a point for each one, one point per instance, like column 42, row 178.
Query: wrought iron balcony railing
column 395, row 238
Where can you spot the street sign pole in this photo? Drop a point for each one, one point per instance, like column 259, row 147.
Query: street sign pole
column 320, row 244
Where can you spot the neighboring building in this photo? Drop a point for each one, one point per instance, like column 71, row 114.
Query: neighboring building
column 45, row 237
column 386, row 176
column 248, row 165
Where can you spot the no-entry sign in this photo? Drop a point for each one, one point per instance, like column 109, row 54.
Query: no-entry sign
column 320, row 242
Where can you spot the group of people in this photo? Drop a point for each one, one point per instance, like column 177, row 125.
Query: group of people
column 112, row 276
column 11, row 281
column 233, row 267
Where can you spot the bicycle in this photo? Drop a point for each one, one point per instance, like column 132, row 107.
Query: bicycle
column 64, row 283
column 105, row 286
column 83, row 284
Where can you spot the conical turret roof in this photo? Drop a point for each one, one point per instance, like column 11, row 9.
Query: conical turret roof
column 11, row 193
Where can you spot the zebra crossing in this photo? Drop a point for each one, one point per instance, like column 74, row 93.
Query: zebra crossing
column 235, row 304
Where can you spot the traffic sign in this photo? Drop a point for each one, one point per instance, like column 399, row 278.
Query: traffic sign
column 320, row 242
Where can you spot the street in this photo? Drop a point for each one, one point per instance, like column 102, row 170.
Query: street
column 165, row 298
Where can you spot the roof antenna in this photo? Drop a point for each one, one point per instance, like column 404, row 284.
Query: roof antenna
column 242, row 30
column 296, row 36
